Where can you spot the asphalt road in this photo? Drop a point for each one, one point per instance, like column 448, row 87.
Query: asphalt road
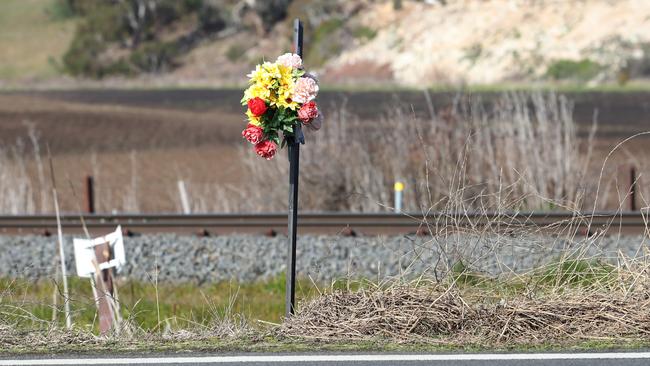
column 529, row 359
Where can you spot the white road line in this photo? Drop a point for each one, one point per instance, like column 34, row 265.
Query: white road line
column 325, row 358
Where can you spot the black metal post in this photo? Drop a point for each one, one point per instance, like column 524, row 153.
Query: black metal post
column 90, row 194
column 294, row 168
column 633, row 180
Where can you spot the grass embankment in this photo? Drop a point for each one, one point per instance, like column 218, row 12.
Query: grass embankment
column 32, row 39
column 148, row 306
column 571, row 304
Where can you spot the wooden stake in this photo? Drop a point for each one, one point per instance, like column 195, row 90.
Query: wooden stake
column 66, row 299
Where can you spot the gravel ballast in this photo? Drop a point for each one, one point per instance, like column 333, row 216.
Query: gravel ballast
column 323, row 258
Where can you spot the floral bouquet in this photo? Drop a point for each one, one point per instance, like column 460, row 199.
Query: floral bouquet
column 280, row 98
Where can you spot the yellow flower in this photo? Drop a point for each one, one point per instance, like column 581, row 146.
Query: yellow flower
column 257, row 90
column 285, row 103
column 252, row 119
column 272, row 69
column 265, row 74
column 274, row 83
column 284, row 98
column 259, row 76
column 286, row 74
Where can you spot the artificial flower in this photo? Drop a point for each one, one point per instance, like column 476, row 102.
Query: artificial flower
column 257, row 106
column 305, row 90
column 253, row 134
column 266, row 149
column 308, row 112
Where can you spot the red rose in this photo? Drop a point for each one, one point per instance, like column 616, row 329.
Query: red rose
column 253, row 134
column 257, row 106
column 307, row 112
column 266, row 149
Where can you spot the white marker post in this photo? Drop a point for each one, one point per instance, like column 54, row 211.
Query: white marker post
column 185, row 201
column 96, row 259
column 399, row 188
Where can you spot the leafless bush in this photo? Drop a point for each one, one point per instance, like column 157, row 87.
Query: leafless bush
column 17, row 193
column 524, row 141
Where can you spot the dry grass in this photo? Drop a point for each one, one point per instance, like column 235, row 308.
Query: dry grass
column 110, row 143
column 481, row 286
column 55, row 340
column 494, row 281
column 350, row 165
column 520, row 310
column 526, row 142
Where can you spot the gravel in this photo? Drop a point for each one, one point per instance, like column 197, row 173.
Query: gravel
column 323, row 258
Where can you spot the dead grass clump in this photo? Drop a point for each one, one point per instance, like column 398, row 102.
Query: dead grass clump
column 14, row 338
column 565, row 317
column 7, row 334
column 55, row 338
column 393, row 312
column 436, row 315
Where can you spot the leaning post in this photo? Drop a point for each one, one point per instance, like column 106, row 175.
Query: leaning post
column 294, row 168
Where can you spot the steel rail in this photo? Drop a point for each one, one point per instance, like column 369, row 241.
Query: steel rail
column 326, row 223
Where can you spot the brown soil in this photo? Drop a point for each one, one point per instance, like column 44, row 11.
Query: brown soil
column 166, row 145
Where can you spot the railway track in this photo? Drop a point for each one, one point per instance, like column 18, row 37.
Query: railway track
column 323, row 223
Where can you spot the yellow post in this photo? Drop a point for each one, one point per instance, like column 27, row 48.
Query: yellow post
column 399, row 188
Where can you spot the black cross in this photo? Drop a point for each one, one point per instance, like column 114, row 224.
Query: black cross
column 294, row 167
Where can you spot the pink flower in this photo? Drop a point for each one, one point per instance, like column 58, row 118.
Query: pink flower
column 266, row 149
column 307, row 112
column 253, row 134
column 305, row 90
column 291, row 60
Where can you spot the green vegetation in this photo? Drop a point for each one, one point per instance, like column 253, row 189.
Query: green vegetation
column 562, row 294
column 580, row 273
column 185, row 304
column 32, row 38
column 363, row 32
column 564, row 273
column 473, row 53
column 30, row 304
column 131, row 37
column 583, row 70
column 136, row 36
column 325, row 42
column 235, row 52
column 61, row 10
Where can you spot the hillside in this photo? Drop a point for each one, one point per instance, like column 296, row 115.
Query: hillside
column 32, row 39
column 408, row 43
column 486, row 42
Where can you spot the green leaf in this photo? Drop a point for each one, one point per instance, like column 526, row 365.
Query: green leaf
column 298, row 73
